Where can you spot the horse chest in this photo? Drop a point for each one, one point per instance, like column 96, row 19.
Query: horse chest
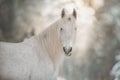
column 24, row 62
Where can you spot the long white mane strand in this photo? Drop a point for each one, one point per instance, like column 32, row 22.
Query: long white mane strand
column 50, row 42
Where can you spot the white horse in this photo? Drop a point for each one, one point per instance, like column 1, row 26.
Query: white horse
column 39, row 57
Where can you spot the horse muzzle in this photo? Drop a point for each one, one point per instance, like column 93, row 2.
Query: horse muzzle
column 67, row 51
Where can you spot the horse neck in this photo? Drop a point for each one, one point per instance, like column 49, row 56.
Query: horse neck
column 50, row 42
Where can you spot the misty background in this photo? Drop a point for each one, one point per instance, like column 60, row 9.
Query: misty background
column 96, row 55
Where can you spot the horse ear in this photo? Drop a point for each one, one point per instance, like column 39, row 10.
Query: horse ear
column 63, row 13
column 74, row 13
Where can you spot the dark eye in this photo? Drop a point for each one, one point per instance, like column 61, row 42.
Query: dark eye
column 61, row 29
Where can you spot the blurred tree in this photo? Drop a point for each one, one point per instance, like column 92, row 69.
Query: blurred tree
column 19, row 19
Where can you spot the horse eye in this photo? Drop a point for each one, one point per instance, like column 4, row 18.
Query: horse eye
column 61, row 29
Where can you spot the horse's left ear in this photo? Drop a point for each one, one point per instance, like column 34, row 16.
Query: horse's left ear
column 74, row 13
column 63, row 13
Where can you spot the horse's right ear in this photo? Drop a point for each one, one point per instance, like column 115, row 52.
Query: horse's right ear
column 63, row 13
column 74, row 13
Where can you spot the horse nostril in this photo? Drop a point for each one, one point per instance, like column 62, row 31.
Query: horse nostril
column 67, row 51
column 64, row 49
column 70, row 49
